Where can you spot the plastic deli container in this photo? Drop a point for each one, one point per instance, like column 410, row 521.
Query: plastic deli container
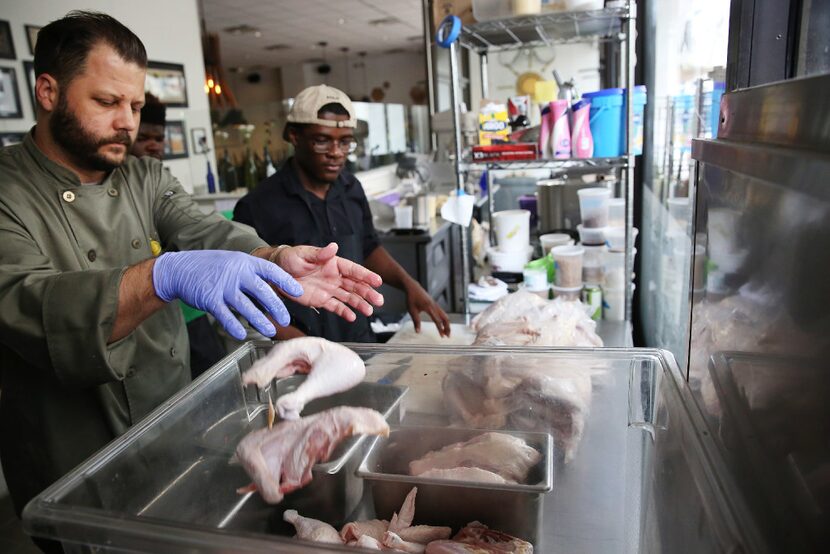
column 567, row 293
column 550, row 240
column 593, row 206
column 615, row 238
column 535, row 278
column 486, row 10
column 512, row 229
column 613, row 303
column 592, row 268
column 592, row 237
column 608, row 120
column 616, row 212
column 511, row 262
column 567, row 261
column 614, row 269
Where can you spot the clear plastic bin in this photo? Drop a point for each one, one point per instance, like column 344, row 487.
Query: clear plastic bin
column 632, row 471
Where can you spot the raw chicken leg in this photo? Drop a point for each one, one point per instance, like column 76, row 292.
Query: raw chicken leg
column 392, row 540
column 374, row 528
column 279, row 460
column 311, row 529
column 331, row 368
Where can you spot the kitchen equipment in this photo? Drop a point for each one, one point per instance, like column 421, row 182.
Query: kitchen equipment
column 558, row 203
column 567, row 89
column 158, row 490
column 403, row 216
column 528, row 202
column 423, row 209
column 456, row 503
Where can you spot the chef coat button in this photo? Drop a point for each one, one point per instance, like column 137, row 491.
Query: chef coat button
column 91, row 255
column 172, row 352
column 112, row 192
column 69, row 196
column 135, row 244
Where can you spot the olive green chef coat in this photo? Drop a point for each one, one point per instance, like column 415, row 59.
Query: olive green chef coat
column 64, row 248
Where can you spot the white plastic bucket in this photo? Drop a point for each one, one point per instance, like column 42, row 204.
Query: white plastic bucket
column 512, row 262
column 512, row 229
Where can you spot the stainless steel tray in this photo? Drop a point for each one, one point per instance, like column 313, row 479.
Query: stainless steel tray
column 514, row 509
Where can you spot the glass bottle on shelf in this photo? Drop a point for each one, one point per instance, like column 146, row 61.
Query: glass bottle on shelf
column 228, row 179
column 249, row 170
column 269, row 163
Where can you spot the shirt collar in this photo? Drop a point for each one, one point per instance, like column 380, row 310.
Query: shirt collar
column 63, row 175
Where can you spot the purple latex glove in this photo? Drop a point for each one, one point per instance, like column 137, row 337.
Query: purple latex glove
column 216, row 280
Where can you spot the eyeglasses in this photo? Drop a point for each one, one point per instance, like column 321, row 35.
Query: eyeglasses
column 324, row 145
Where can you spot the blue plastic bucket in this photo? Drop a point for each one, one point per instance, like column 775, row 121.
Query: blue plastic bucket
column 608, row 121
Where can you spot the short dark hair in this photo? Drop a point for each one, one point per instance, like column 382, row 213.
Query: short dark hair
column 332, row 108
column 64, row 44
column 154, row 111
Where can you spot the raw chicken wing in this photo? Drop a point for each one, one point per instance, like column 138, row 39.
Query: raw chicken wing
column 374, row 528
column 279, row 460
column 392, row 540
column 331, row 368
column 311, row 529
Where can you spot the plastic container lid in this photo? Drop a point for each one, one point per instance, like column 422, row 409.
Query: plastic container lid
column 566, row 289
column 615, row 238
column 567, row 250
column 594, row 191
column 592, row 236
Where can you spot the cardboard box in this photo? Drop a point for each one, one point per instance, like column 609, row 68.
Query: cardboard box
column 443, row 8
column 505, row 152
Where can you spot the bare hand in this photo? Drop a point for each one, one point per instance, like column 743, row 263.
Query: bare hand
column 330, row 282
column 417, row 301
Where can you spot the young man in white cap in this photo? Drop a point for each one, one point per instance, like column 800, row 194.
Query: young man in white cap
column 313, row 200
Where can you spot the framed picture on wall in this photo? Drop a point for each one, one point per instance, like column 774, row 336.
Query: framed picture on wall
column 7, row 139
column 198, row 137
column 6, row 42
column 175, row 140
column 29, row 69
column 166, row 81
column 9, row 96
column 31, row 36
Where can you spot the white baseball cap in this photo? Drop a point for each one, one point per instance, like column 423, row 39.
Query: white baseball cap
column 309, row 101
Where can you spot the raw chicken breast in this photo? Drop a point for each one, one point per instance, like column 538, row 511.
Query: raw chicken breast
column 331, row 368
column 507, row 456
column 279, row 460
column 474, row 474
column 509, row 308
column 311, row 529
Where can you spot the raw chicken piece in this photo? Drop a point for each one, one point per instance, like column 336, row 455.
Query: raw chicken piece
column 474, row 474
column 403, row 519
column 518, row 332
column 331, row 368
column 374, row 528
column 508, row 456
column 510, row 308
column 424, row 533
column 497, row 393
column 279, row 460
column 367, row 542
column 392, row 540
column 311, row 529
column 477, row 538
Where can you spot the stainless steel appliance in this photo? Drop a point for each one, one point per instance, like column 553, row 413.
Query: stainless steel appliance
column 558, row 202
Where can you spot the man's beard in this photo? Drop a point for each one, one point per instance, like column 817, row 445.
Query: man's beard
column 80, row 144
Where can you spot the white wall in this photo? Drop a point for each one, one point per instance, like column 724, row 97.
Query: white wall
column 402, row 71
column 170, row 32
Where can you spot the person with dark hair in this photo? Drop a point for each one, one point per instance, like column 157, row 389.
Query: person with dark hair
column 313, row 200
column 94, row 247
column 150, row 138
